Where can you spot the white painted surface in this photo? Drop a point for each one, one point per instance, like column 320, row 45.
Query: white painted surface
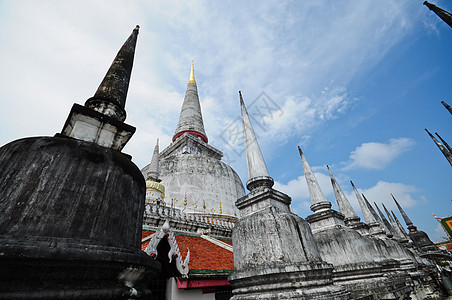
column 172, row 293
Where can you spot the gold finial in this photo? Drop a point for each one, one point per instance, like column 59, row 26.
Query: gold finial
column 185, row 199
column 192, row 74
column 221, row 211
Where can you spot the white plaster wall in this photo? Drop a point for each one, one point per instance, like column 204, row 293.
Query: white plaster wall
column 204, row 180
column 153, row 194
column 172, row 293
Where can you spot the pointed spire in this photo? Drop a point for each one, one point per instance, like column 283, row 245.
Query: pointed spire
column 395, row 227
column 399, row 225
column 444, row 142
column 318, row 200
column 408, row 222
column 342, row 202
column 383, row 218
column 190, row 119
column 447, row 106
column 372, row 210
column 257, row 170
column 379, row 220
column 154, row 168
column 110, row 97
column 192, row 74
column 369, row 218
column 443, row 14
column 443, row 149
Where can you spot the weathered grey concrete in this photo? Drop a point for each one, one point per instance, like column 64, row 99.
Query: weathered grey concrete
column 387, row 225
column 419, row 238
column 447, row 154
column 255, row 163
column 110, row 97
column 443, row 14
column 193, row 168
column 154, row 167
column 275, row 254
column 190, row 119
column 318, row 200
column 396, row 230
column 371, row 221
column 356, row 265
column 72, row 205
column 351, row 218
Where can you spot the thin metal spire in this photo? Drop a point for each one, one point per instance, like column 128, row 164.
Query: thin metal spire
column 110, row 97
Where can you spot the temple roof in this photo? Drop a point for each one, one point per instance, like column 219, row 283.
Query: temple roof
column 205, row 256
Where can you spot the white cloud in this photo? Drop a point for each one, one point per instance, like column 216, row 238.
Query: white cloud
column 439, row 234
column 377, row 156
column 298, row 190
column 381, row 193
column 303, row 54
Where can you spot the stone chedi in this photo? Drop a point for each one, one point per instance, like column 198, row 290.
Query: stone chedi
column 275, row 254
column 155, row 191
column 389, row 245
column 358, row 267
column 72, row 204
column 419, row 238
column 191, row 168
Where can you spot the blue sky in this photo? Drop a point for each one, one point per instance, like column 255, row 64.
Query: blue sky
column 354, row 83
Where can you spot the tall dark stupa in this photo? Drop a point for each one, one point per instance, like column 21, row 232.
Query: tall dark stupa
column 72, row 204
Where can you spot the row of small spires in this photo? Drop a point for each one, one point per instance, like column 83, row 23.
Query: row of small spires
column 111, row 96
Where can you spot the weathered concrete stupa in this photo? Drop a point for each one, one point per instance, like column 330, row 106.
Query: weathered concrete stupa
column 275, row 254
column 72, row 205
column 358, row 267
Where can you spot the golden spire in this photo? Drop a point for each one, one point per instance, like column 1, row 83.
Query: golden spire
column 192, row 74
column 185, row 199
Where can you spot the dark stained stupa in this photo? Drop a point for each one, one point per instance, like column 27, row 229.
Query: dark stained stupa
column 72, row 204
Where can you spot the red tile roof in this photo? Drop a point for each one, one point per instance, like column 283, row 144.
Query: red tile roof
column 145, row 234
column 204, row 255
